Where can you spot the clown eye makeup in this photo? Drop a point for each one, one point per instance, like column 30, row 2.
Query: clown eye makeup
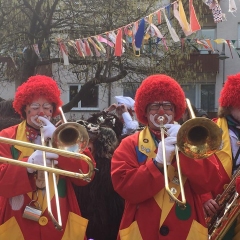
column 156, row 106
column 46, row 106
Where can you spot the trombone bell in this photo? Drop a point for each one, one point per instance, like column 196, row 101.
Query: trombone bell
column 199, row 138
column 70, row 136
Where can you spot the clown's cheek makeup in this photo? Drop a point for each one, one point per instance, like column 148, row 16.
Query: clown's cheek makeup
column 155, row 123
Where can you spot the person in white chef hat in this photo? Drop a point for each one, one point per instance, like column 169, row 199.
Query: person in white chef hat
column 124, row 110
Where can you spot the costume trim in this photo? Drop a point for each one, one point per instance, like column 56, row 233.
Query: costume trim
column 225, row 154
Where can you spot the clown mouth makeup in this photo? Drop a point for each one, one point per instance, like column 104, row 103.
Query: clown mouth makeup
column 37, row 122
column 154, row 119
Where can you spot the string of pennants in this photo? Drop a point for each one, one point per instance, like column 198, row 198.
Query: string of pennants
column 136, row 33
column 207, row 44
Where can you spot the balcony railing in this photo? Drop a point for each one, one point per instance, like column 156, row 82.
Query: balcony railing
column 204, row 63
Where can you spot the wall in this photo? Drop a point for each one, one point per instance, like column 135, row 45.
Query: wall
column 65, row 77
column 7, row 90
column 228, row 30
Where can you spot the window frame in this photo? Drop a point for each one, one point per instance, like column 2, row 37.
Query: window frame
column 200, row 36
column 197, row 95
column 80, row 108
column 124, row 89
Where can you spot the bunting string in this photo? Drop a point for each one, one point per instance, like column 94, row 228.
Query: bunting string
column 144, row 31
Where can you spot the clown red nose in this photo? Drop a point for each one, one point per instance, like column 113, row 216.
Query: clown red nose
column 161, row 112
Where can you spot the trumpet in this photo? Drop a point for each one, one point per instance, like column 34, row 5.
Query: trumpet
column 68, row 140
column 197, row 138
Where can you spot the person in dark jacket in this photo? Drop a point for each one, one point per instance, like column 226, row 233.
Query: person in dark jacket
column 99, row 203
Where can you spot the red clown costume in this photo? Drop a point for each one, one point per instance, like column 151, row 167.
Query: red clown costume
column 229, row 121
column 149, row 212
column 18, row 187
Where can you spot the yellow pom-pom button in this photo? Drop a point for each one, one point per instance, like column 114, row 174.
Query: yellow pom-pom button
column 43, row 221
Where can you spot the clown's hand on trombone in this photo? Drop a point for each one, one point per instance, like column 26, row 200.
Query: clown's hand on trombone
column 170, row 142
column 37, row 158
column 47, row 128
column 172, row 129
column 169, row 150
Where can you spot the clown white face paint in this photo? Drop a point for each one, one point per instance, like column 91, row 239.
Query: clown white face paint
column 155, row 122
column 39, row 107
column 155, row 110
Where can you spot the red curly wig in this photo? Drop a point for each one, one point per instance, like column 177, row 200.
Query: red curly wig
column 159, row 87
column 230, row 93
column 35, row 87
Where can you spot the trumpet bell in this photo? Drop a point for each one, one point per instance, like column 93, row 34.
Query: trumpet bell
column 199, row 138
column 71, row 137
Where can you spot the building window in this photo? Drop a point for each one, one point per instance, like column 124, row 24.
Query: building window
column 73, row 90
column 91, row 101
column 129, row 89
column 208, row 97
column 208, row 33
column 190, row 93
column 202, row 96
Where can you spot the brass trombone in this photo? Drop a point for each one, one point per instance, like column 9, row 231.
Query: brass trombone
column 84, row 176
column 183, row 202
column 68, row 140
column 197, row 138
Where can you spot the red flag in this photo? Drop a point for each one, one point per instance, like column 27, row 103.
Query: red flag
column 87, row 48
column 78, row 46
column 194, row 24
column 159, row 17
column 118, row 45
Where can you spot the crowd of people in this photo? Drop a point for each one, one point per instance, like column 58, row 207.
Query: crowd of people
column 140, row 186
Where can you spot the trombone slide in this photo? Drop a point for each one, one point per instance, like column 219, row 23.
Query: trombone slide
column 43, row 168
column 182, row 203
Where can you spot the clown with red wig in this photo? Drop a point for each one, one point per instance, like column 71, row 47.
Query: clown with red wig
column 138, row 174
column 21, row 189
column 229, row 121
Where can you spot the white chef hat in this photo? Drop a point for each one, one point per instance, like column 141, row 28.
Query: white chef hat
column 128, row 101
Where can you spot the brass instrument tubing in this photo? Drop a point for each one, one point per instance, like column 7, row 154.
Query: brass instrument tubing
column 52, row 150
column 57, row 224
column 182, row 203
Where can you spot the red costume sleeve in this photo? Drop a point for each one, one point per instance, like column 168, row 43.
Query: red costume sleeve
column 205, row 175
column 74, row 165
column 129, row 179
column 206, row 196
column 14, row 180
